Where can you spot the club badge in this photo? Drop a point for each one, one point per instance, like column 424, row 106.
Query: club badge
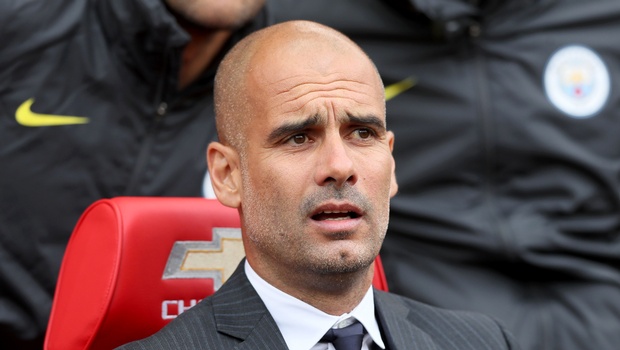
column 577, row 81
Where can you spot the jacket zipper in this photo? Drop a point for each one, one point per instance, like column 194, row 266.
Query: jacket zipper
column 145, row 150
column 149, row 139
column 489, row 144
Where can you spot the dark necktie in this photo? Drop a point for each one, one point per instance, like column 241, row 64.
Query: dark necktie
column 347, row 338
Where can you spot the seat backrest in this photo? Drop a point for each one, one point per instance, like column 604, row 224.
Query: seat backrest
column 134, row 263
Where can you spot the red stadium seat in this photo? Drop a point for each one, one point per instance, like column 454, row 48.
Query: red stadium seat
column 134, row 263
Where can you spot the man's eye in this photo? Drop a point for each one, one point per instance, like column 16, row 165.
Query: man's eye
column 363, row 133
column 299, row 139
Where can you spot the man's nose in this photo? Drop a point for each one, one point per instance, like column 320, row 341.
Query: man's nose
column 335, row 165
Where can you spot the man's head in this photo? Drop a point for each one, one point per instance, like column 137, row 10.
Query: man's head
column 304, row 155
column 217, row 14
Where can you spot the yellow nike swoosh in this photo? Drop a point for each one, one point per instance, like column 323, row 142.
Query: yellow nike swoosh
column 26, row 117
column 396, row 89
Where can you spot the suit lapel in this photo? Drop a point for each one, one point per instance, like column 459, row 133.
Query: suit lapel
column 399, row 332
column 240, row 313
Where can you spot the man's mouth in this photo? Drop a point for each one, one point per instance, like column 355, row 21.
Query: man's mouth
column 335, row 215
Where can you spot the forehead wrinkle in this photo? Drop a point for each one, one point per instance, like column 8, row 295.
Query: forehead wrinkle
column 323, row 82
column 357, row 95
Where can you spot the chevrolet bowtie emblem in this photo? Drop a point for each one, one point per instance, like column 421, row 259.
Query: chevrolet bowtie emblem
column 26, row 117
column 216, row 259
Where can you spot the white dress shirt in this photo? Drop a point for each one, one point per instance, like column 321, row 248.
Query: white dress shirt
column 303, row 325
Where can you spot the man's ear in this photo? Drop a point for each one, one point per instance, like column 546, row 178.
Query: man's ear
column 223, row 162
column 393, row 183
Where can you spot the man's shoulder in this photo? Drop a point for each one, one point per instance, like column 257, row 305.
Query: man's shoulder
column 193, row 329
column 447, row 329
column 217, row 322
column 394, row 300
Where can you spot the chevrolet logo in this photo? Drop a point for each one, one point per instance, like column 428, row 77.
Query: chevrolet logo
column 216, row 259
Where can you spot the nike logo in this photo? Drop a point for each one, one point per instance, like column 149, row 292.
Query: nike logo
column 396, row 89
column 26, row 117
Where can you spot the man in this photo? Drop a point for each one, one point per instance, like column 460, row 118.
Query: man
column 98, row 98
column 305, row 157
column 507, row 118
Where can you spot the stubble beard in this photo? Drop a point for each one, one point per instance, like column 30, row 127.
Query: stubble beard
column 273, row 235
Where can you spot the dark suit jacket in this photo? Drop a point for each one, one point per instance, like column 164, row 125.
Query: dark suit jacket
column 236, row 318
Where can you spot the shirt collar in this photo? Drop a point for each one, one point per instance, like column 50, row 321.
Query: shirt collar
column 303, row 325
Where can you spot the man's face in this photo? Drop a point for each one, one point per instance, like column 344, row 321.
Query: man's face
column 317, row 166
column 217, row 14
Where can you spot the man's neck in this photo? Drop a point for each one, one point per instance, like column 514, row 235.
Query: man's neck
column 204, row 46
column 333, row 294
column 336, row 302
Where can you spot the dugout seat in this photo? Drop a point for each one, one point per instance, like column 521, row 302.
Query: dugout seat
column 134, row 263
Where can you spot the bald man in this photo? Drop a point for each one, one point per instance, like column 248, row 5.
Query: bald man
column 305, row 157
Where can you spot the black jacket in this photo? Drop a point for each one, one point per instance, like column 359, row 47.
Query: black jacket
column 114, row 64
column 507, row 152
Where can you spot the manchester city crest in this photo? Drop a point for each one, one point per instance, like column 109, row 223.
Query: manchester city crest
column 577, row 81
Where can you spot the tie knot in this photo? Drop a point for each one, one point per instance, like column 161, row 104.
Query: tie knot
column 346, row 338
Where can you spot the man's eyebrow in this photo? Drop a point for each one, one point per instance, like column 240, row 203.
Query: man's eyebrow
column 292, row 128
column 367, row 120
column 297, row 127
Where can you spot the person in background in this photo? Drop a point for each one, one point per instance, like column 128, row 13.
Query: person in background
column 98, row 98
column 306, row 158
column 506, row 116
